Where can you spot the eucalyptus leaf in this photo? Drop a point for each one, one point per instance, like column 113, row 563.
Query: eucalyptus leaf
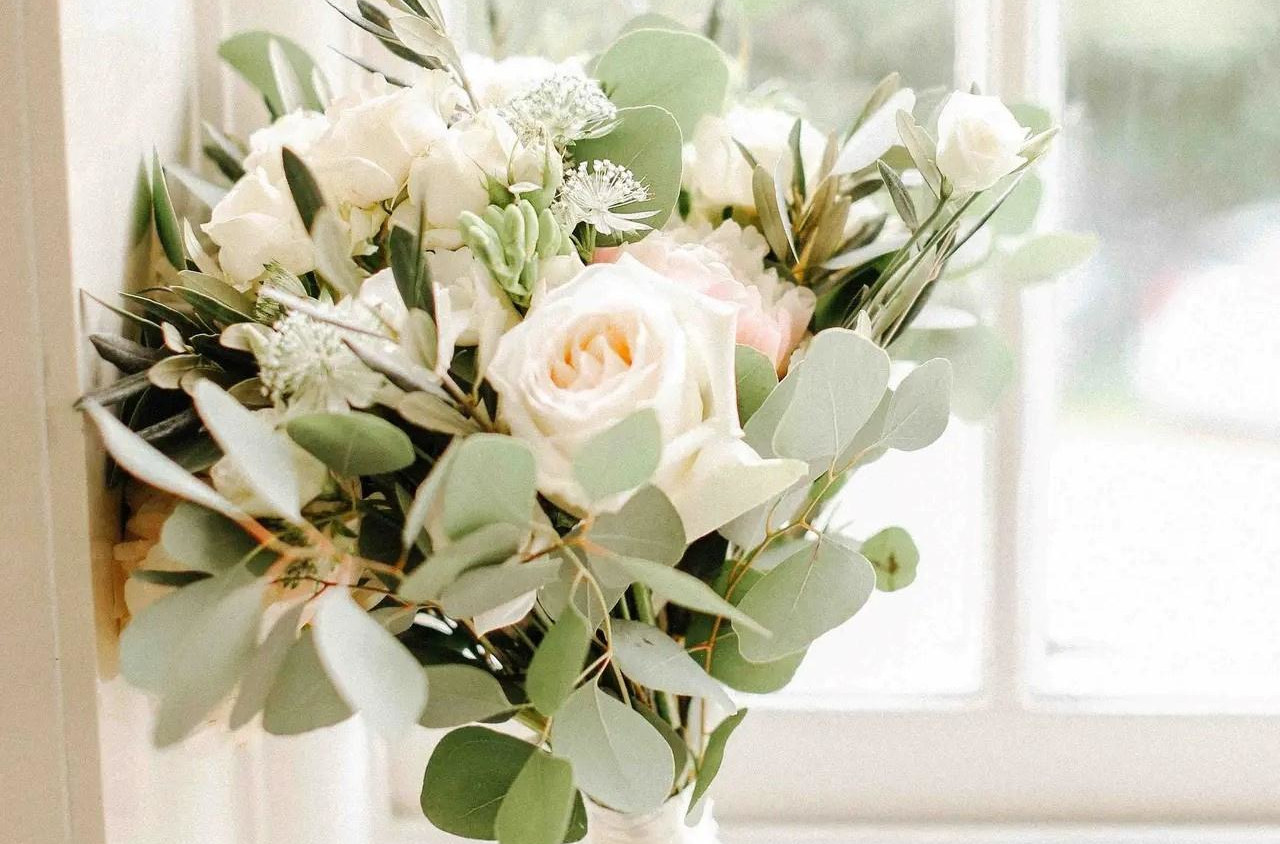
column 470, row 771
column 374, row 673
column 618, row 758
column 484, row 588
column 489, row 545
column 982, row 360
column 224, row 635
column 539, row 805
column 713, row 758
column 894, row 556
column 204, row 540
column 838, row 387
column 265, row 666
column 727, row 663
column 145, row 462
column 815, row 591
column 248, row 53
column 353, row 444
column 647, row 527
column 920, row 408
column 172, row 579
column 261, row 454
column 461, row 694
column 558, row 661
column 620, row 458
column 647, row 141
column 654, row 660
column 1047, row 256
column 149, row 642
column 302, row 697
column 474, row 495
column 683, row 589
column 756, row 379
column 683, row 73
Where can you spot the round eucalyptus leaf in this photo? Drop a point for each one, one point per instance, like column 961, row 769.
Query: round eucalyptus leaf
column 682, row 72
column 894, row 556
column 353, row 444
column 647, row 141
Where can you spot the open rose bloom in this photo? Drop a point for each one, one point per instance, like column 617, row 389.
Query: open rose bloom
column 516, row 390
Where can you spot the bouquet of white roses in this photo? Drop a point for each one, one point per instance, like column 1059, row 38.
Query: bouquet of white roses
column 522, row 391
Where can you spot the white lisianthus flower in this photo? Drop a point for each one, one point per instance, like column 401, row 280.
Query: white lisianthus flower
column 978, row 141
column 375, row 135
column 728, row 264
column 497, row 82
column 454, row 175
column 256, row 224
column 469, row 304
column 230, row 482
column 718, row 173
column 298, row 130
column 618, row 339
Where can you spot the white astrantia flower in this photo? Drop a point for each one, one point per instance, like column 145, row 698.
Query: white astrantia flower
column 567, row 106
column 592, row 191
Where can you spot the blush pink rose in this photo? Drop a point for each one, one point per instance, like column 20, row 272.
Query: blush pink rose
column 727, row 263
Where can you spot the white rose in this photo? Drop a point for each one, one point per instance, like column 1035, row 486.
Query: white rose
column 230, row 482
column 365, row 157
column 978, row 141
column 719, row 174
column 297, row 130
column 728, row 264
column 618, row 339
column 257, row 223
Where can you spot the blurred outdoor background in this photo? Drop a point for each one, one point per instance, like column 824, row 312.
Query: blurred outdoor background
column 1153, row 485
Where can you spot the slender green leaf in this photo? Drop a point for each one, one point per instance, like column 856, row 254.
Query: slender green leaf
column 558, row 661
column 714, row 756
column 248, row 53
column 167, row 227
column 261, row 454
column 898, row 193
column 146, row 463
column 303, row 186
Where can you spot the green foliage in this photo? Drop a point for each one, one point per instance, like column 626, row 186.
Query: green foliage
column 1046, row 256
column 460, row 694
column 558, row 661
column 512, row 242
column 303, row 186
column 168, row 230
column 618, row 758
column 714, row 756
column 148, row 464
column 485, row 588
column 894, row 556
column 654, row 660
column 262, row 671
column 920, row 407
column 302, row 697
column 471, row 771
column 207, row 541
column 647, row 527
column 838, row 386
column 488, row 545
column 353, row 444
column 814, row 591
column 982, row 360
column 474, row 495
column 678, row 588
column 682, row 72
column 620, row 458
column 756, row 379
column 539, row 806
column 647, row 141
column 372, row 671
column 260, row 453
column 249, row 54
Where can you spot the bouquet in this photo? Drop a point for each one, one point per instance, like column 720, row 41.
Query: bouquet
column 522, row 391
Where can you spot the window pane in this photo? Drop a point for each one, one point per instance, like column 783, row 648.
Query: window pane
column 1162, row 554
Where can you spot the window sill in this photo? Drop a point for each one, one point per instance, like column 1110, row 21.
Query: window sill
column 999, row 834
